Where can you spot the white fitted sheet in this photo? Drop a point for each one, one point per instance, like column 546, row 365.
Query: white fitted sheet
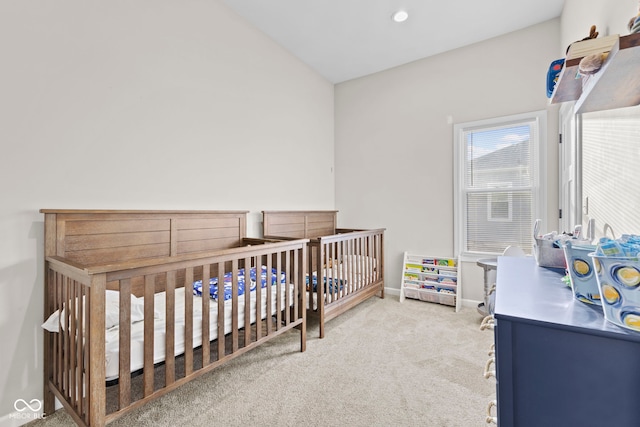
column 137, row 329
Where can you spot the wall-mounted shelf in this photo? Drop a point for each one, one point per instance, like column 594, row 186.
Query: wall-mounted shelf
column 616, row 85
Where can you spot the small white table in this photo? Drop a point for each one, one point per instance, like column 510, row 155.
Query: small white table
column 490, row 265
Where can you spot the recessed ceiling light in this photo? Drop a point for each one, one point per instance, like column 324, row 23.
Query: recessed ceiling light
column 400, row 16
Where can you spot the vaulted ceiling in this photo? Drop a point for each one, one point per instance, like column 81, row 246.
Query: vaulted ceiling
column 346, row 39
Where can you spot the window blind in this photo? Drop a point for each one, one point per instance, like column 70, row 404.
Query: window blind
column 610, row 159
column 498, row 186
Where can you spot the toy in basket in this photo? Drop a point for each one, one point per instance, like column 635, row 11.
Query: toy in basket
column 547, row 249
column 618, row 278
column 581, row 272
column 547, row 254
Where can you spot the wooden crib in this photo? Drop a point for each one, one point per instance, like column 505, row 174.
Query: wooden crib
column 99, row 367
column 346, row 265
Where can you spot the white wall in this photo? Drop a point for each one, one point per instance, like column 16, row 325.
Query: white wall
column 609, row 17
column 394, row 138
column 145, row 104
column 162, row 105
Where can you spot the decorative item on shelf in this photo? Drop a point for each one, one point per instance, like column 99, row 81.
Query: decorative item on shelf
column 591, row 64
column 592, row 35
column 552, row 75
column 634, row 23
column 571, row 82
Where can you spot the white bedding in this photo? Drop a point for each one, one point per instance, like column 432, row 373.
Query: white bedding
column 137, row 329
column 346, row 272
column 345, row 283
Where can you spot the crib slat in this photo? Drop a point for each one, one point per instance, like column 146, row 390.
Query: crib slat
column 353, row 265
column 65, row 335
column 258, row 312
column 80, row 386
column 337, row 270
column 299, row 265
column 346, row 269
column 72, row 340
column 149, row 328
column 234, row 301
column 55, row 351
column 86, row 356
column 323, row 280
column 221, row 349
column 361, row 262
column 248, row 263
column 357, row 257
column 188, row 321
column 365, row 263
column 124, row 379
column 312, row 263
column 278, row 290
column 345, row 265
column 206, row 301
column 337, row 292
column 287, row 289
column 169, row 363
column 268, row 289
column 300, row 309
column 329, row 284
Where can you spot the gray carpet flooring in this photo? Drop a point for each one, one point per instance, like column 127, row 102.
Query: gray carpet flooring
column 383, row 363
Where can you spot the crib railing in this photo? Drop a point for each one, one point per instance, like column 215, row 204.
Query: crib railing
column 75, row 356
column 349, row 267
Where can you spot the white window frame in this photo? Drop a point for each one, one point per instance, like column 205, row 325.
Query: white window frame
column 537, row 119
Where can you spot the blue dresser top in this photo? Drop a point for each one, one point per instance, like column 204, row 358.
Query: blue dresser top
column 530, row 293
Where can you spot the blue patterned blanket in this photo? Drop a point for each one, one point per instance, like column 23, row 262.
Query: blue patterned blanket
column 213, row 282
column 328, row 284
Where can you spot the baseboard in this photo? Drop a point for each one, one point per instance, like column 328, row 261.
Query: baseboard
column 470, row 303
column 392, row 291
column 465, row 302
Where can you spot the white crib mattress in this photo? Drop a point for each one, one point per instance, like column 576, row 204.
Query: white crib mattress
column 137, row 329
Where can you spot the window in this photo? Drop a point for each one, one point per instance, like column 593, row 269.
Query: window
column 610, row 156
column 498, row 173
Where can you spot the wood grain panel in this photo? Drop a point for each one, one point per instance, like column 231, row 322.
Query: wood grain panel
column 299, row 224
column 109, row 226
column 101, row 241
column 111, row 255
column 199, row 223
column 319, row 229
column 276, row 218
column 206, row 245
column 283, row 231
column 207, row 233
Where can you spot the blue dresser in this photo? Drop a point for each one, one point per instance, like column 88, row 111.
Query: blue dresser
column 559, row 363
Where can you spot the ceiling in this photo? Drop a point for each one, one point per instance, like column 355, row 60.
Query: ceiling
column 346, row 39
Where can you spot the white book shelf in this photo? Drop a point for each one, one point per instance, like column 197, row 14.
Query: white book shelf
column 430, row 278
